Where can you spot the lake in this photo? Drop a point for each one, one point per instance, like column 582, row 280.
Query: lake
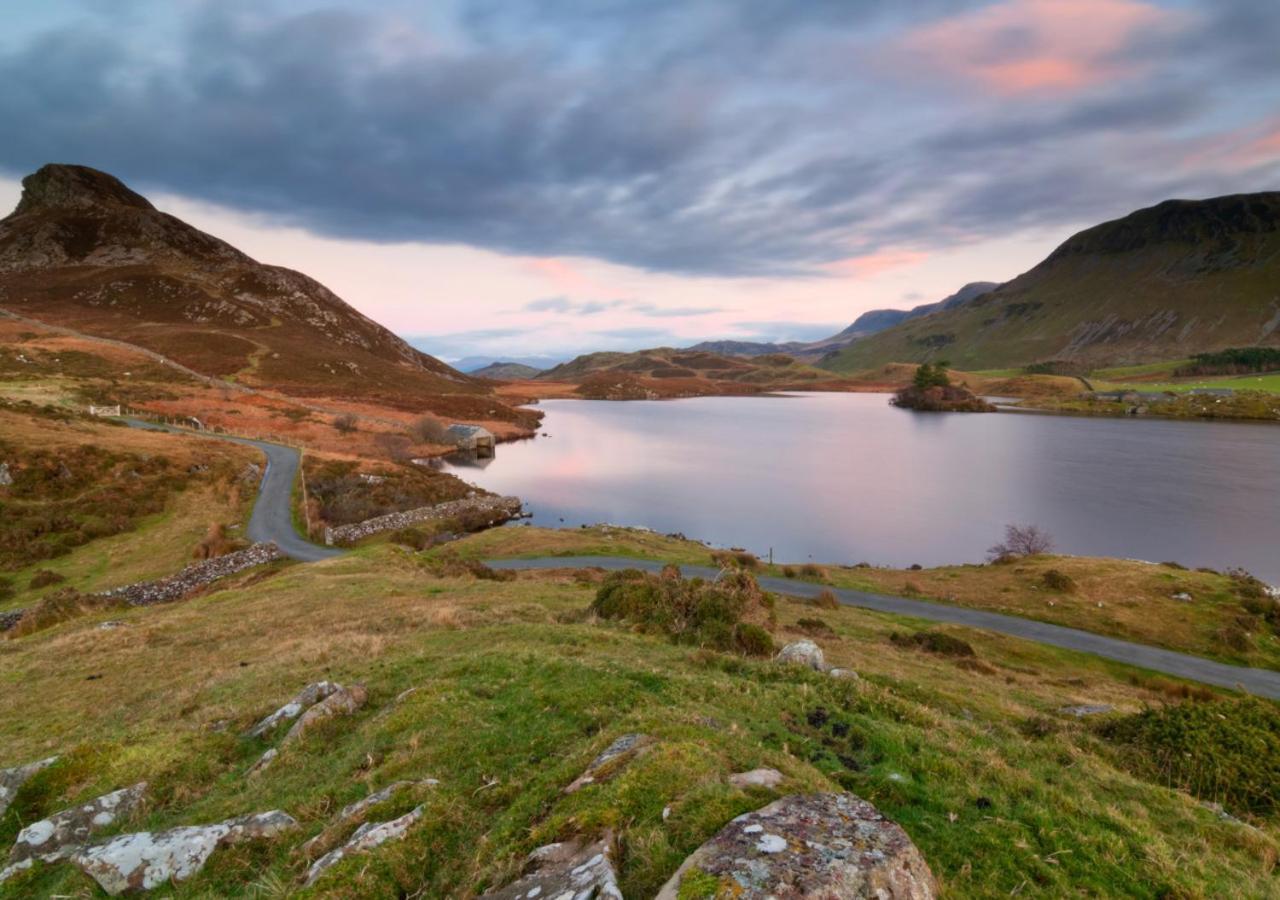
column 845, row 478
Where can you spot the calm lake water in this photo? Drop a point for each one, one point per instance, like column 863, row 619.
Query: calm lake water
column 844, row 478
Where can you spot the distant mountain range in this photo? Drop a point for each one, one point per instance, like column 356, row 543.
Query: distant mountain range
column 506, row 371
column 1182, row 277
column 472, row 364
column 865, row 325
column 82, row 250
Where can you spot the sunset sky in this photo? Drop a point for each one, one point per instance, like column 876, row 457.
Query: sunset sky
column 504, row 178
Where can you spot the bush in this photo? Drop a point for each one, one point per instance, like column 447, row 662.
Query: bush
column 216, row 543
column 708, row 614
column 826, row 600
column 730, row 558
column 788, row 572
column 814, row 626
column 61, row 606
column 45, row 578
column 6, row 588
column 430, row 430
column 1226, row 751
column 345, row 423
column 1021, row 540
column 809, row 570
column 1056, row 580
column 934, row 642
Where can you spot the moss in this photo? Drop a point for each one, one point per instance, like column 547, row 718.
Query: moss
column 699, row 885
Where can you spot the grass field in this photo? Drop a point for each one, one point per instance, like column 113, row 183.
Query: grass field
column 513, row 690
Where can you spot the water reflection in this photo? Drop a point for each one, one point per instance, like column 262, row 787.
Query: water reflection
column 846, row 478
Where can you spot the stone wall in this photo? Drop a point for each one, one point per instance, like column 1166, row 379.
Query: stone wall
column 145, row 593
column 10, row 619
column 500, row 510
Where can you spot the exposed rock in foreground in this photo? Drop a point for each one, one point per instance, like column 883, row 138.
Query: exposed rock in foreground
column 145, row 860
column 366, row 837
column 802, row 653
column 355, row 812
column 11, row 780
column 806, row 847
column 304, row 699
column 566, row 870
column 65, row 832
column 940, row 398
column 610, row 760
column 342, row 702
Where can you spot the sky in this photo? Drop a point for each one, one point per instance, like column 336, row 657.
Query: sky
column 548, row 177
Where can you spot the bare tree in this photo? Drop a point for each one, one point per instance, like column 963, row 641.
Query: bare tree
column 430, row 430
column 1021, row 540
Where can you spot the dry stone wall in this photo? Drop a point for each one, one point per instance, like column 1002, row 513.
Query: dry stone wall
column 499, row 508
column 146, row 593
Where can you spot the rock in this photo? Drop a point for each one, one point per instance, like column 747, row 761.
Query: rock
column 9, row 871
column 802, row 653
column 1183, row 596
column 366, row 837
column 765, row 778
column 304, row 699
column 1086, row 709
column 6, row 478
column 11, row 780
column 848, row 674
column 810, row 846
column 264, row 762
column 65, row 832
column 342, row 702
column 569, row 870
column 613, row 757
column 355, row 812
column 145, row 860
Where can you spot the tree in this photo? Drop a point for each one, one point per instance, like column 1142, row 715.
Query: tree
column 1021, row 540
column 931, row 375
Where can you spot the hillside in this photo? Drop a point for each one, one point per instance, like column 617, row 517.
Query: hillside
column 82, row 250
column 1182, row 277
column 506, row 371
column 664, row 373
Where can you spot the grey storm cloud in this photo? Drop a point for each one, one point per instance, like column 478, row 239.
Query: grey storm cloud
column 761, row 137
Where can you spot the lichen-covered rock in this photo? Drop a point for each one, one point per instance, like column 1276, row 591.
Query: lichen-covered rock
column 847, row 674
column 366, row 837
column 569, row 870
column 263, row 763
column 303, row 700
column 65, row 832
column 11, row 780
column 765, row 778
column 802, row 653
column 342, row 702
column 610, row 760
column 145, row 860
column 355, row 812
column 806, row 847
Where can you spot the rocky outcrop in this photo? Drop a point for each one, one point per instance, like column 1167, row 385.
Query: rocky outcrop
column 304, row 699
column 145, row 860
column 178, row 585
column 11, row 780
column 499, row 510
column 8, row 620
column 342, row 702
column 366, row 837
column 6, row 478
column 572, row 869
column 807, row 847
column 611, row 760
column 763, row 778
column 802, row 653
column 65, row 832
column 355, row 812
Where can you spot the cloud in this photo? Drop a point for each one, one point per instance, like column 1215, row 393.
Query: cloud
column 565, row 306
column 724, row 138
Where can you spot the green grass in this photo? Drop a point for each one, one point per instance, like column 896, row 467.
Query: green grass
column 514, row 691
column 1269, row 382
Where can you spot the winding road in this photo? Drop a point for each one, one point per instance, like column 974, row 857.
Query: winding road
column 272, row 518
column 1263, row 682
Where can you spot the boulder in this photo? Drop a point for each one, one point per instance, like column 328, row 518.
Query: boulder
column 11, row 780
column 6, row 478
column 847, row 674
column 264, row 762
column 366, row 837
column 802, row 653
column 145, row 860
column 342, row 702
column 610, row 760
column 765, row 778
column 572, row 869
column 65, row 832
column 806, row 847
column 305, row 699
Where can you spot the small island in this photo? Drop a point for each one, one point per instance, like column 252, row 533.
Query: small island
column 931, row 390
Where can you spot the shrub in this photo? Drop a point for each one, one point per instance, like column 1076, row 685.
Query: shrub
column 216, row 543
column 814, row 626
column 1056, row 580
column 826, row 599
column 809, row 570
column 449, row 564
column 752, row 640
column 1227, row 751
column 740, row 558
column 45, row 578
column 62, row 606
column 788, row 572
column 345, row 423
column 934, row 642
column 430, row 430
column 708, row 614
column 1021, row 540
column 6, row 588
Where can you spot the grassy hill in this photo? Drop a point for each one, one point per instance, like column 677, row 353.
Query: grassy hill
column 1165, row 282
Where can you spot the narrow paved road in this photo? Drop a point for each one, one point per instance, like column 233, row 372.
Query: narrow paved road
column 272, row 518
column 1263, row 682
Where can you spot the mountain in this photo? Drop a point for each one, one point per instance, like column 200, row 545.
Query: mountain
column 82, row 250
column 472, row 364
column 866, row 324
column 506, row 371
column 1165, row 282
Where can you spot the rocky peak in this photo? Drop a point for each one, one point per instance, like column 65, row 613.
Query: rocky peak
column 66, row 187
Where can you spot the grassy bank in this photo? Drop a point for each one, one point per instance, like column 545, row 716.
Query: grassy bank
column 512, row 690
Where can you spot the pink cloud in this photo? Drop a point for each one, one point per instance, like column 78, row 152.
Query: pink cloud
column 1247, row 148
column 872, row 264
column 1036, row 46
column 560, row 273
